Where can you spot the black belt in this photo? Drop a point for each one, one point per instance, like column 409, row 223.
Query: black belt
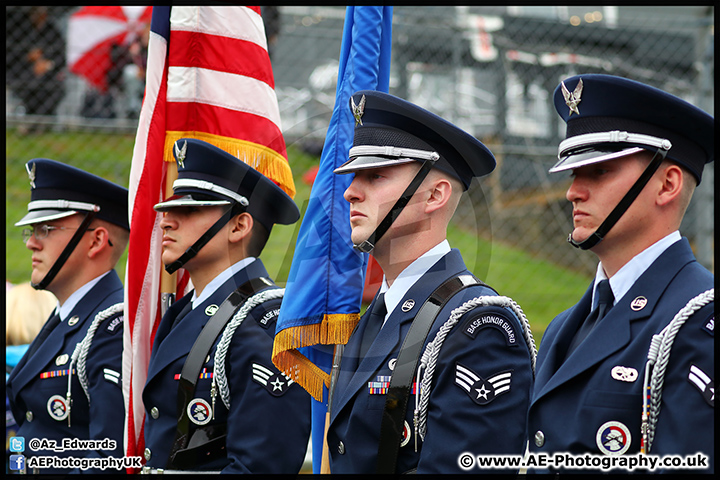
column 196, row 359
column 398, row 394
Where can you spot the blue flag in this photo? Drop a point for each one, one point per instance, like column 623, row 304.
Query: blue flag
column 323, row 294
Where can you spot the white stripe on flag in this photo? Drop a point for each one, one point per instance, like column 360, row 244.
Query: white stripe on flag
column 222, row 21
column 211, row 87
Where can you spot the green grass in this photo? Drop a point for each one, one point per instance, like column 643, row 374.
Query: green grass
column 541, row 288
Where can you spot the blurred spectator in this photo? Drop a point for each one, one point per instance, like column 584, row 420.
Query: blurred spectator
column 35, row 56
column 26, row 310
column 134, row 73
column 125, row 80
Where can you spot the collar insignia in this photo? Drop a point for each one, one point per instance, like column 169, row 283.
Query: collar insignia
column 31, row 174
column 180, row 154
column 358, row 110
column 638, row 304
column 408, row 305
column 572, row 99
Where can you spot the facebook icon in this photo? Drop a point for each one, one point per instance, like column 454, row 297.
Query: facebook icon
column 17, row 462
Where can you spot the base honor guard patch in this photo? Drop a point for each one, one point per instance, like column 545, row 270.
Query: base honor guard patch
column 709, row 326
column 480, row 390
column 495, row 318
column 275, row 383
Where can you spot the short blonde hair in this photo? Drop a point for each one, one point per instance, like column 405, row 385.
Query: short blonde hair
column 26, row 310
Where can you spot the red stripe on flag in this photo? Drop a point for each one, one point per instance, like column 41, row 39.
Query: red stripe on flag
column 185, row 116
column 201, row 50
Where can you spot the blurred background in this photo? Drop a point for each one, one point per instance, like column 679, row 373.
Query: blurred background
column 74, row 92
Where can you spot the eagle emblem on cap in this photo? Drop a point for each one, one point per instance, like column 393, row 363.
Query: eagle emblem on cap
column 358, row 110
column 180, row 153
column 572, row 99
column 31, row 174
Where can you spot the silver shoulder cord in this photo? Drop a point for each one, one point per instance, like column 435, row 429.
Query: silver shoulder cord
column 658, row 357
column 80, row 353
column 219, row 380
column 429, row 357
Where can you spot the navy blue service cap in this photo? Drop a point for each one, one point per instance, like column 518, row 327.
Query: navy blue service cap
column 59, row 190
column 609, row 117
column 391, row 131
column 208, row 175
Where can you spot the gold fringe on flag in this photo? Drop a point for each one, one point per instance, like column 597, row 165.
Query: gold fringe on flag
column 333, row 329
column 263, row 159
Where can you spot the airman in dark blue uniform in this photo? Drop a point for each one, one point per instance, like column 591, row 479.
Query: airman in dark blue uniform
column 239, row 414
column 636, row 155
column 68, row 385
column 478, row 392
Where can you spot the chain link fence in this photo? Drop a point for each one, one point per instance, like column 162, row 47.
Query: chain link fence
column 490, row 70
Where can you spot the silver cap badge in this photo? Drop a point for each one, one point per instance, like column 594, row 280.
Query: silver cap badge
column 358, row 110
column 572, row 99
column 180, row 153
column 31, row 174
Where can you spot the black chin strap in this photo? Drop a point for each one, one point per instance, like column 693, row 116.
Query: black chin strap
column 50, row 276
column 195, row 248
column 623, row 205
column 394, row 212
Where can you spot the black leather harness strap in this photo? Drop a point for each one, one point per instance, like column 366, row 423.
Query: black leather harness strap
column 396, row 402
column 198, row 353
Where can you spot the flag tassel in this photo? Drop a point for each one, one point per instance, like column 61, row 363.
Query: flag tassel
column 332, row 330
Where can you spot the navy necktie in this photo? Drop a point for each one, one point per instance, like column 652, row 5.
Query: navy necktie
column 49, row 326
column 605, row 302
column 374, row 323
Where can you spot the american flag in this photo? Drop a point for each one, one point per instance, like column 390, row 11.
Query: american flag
column 208, row 77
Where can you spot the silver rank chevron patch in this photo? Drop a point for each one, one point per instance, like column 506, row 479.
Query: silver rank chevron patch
column 275, row 383
column 482, row 391
column 358, row 110
column 180, row 154
column 703, row 383
column 572, row 99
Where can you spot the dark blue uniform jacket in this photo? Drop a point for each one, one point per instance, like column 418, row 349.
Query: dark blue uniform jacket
column 485, row 343
column 589, row 405
column 268, row 424
column 37, row 387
